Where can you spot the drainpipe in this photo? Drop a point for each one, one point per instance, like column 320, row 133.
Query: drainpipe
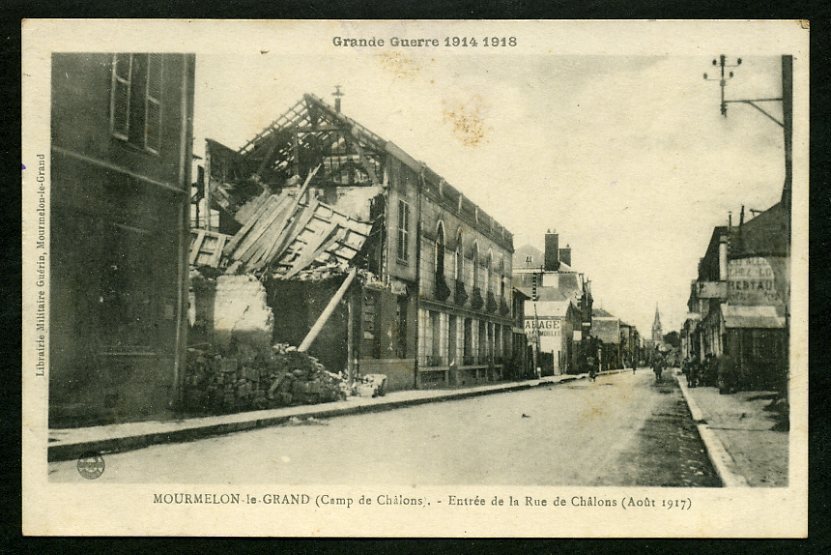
column 183, row 229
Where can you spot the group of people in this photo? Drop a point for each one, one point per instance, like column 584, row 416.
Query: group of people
column 714, row 371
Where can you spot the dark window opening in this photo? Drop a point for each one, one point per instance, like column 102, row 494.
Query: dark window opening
column 401, row 318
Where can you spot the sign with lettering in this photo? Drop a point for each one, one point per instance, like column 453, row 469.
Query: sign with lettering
column 711, row 290
column 545, row 326
column 752, row 281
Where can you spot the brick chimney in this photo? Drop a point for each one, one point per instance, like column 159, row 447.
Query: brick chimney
column 552, row 251
column 565, row 255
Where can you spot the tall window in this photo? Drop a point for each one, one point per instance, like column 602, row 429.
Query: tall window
column 488, row 264
column 459, row 257
column 403, row 231
column 502, row 276
column 440, row 250
column 120, row 95
column 153, row 103
column 135, row 99
column 475, row 265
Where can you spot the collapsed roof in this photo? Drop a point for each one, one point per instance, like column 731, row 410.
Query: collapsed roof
column 289, row 235
column 281, row 228
column 343, row 162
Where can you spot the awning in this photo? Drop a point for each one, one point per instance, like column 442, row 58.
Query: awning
column 756, row 317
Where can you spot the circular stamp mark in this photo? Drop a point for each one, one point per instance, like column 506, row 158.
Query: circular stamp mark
column 91, row 465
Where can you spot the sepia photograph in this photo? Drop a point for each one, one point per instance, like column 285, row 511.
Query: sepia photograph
column 390, row 267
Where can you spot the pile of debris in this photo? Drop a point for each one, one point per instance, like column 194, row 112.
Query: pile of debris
column 248, row 378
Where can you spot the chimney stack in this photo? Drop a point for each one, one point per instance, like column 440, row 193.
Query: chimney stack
column 552, row 251
column 565, row 255
column 337, row 94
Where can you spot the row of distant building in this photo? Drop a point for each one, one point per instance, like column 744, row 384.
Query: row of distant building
column 317, row 233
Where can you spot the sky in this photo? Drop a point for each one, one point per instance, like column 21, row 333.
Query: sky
column 627, row 157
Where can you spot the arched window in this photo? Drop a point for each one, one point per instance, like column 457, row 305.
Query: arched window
column 439, row 254
column 459, row 258
column 488, row 270
column 501, row 276
column 475, row 265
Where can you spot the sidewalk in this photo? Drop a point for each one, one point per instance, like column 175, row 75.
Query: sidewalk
column 71, row 443
column 739, row 435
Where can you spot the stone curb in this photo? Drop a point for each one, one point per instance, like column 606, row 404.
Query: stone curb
column 717, row 453
column 71, row 451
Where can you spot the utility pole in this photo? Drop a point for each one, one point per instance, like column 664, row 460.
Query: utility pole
column 787, row 111
column 722, row 64
column 787, row 127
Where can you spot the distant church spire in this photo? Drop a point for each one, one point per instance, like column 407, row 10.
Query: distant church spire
column 657, row 331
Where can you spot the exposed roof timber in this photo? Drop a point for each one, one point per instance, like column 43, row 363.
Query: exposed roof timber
column 366, row 165
column 277, row 123
column 311, row 116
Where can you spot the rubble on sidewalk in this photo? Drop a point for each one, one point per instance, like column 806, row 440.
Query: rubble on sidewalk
column 244, row 377
column 371, row 385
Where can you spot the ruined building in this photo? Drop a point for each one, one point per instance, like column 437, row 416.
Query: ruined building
column 333, row 239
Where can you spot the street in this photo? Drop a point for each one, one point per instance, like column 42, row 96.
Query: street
column 622, row 429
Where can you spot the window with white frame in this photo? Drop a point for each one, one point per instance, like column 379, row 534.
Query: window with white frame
column 459, row 258
column 475, row 265
column 488, row 264
column 439, row 254
column 136, row 99
column 403, row 242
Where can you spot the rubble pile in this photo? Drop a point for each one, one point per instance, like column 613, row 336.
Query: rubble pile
column 244, row 377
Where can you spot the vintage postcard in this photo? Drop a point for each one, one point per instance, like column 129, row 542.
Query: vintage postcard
column 415, row 278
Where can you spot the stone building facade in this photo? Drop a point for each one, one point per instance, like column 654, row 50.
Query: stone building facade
column 120, row 161
column 464, row 289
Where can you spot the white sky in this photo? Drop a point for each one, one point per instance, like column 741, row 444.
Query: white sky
column 628, row 158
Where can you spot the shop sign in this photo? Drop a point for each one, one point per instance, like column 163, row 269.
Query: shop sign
column 751, row 281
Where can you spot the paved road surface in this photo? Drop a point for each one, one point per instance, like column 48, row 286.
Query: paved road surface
column 622, row 429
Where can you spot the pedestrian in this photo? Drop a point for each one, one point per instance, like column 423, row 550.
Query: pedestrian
column 591, row 368
column 693, row 373
column 634, row 363
column 727, row 373
column 658, row 366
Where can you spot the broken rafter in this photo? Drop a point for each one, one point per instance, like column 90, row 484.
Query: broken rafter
column 273, row 126
column 289, row 232
column 320, row 242
column 288, row 223
column 367, row 166
column 327, row 312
